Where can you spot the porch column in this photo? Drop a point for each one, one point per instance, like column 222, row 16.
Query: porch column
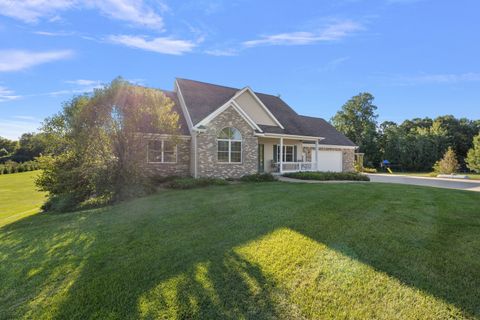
column 316, row 154
column 281, row 155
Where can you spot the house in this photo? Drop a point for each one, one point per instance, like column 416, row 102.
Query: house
column 228, row 133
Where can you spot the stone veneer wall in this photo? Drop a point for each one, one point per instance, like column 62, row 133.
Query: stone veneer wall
column 348, row 158
column 207, row 164
column 181, row 168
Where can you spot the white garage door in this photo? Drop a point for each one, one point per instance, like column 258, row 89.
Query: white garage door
column 330, row 161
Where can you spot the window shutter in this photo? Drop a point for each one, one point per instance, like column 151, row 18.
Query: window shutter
column 295, row 159
column 274, row 153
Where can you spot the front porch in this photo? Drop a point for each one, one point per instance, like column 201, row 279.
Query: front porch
column 286, row 154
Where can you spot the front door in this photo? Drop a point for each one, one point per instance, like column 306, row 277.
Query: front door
column 261, row 158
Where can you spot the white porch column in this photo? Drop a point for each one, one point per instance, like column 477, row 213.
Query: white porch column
column 281, row 155
column 316, row 154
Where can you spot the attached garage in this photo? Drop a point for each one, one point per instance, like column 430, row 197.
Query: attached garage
column 330, row 161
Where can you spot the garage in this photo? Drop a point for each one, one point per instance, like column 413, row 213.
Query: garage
column 330, row 161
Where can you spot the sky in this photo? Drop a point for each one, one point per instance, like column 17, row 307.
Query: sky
column 419, row 58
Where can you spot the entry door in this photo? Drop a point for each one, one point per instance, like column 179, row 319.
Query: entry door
column 261, row 158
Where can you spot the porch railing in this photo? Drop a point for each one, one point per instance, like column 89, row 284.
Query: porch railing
column 294, row 166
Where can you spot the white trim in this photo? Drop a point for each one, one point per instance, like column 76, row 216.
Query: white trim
column 287, row 136
column 164, row 136
column 183, row 106
column 195, row 154
column 247, row 88
column 227, row 105
column 326, row 146
column 230, row 147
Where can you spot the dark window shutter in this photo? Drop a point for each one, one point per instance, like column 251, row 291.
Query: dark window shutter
column 274, row 153
column 295, row 154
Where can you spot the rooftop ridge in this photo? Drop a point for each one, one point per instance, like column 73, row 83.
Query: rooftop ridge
column 227, row 87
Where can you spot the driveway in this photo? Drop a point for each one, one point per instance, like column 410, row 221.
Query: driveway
column 470, row 185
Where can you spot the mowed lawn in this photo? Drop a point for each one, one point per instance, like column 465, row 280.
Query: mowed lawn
column 18, row 196
column 251, row 251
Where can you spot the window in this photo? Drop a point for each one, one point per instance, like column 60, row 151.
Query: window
column 288, row 153
column 161, row 151
column 229, row 146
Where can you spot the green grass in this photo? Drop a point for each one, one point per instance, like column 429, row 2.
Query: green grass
column 251, row 251
column 18, row 196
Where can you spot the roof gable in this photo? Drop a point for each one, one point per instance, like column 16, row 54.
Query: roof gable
column 202, row 99
column 254, row 108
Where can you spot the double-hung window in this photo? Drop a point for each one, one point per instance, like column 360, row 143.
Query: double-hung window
column 229, row 146
column 161, row 151
column 288, row 153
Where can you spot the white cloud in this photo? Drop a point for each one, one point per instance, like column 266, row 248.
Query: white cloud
column 333, row 64
column 222, row 52
column 133, row 11
column 14, row 60
column 13, row 129
column 84, row 82
column 31, row 11
column 332, row 32
column 160, row 45
column 439, row 78
column 54, row 34
column 7, row 94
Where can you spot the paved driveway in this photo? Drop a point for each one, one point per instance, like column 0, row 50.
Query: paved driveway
column 470, row 185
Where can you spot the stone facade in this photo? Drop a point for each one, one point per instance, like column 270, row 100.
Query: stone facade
column 180, row 168
column 348, row 158
column 207, row 163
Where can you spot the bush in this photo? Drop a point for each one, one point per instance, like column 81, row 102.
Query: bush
column 190, row 183
column 258, row 177
column 448, row 164
column 61, row 203
column 13, row 167
column 327, row 176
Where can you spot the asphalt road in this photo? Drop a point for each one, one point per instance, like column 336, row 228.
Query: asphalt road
column 470, row 185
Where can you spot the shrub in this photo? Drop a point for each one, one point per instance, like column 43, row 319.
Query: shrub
column 190, row 183
column 473, row 156
column 258, row 177
column 448, row 164
column 61, row 203
column 369, row 170
column 327, row 176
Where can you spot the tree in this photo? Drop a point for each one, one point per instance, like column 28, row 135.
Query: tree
column 448, row 164
column 8, row 145
column 97, row 148
column 473, row 156
column 358, row 121
column 30, row 146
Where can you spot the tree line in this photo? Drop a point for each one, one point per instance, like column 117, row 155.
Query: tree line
column 413, row 145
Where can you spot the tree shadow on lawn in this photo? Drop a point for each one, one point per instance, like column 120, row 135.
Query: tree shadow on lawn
column 172, row 255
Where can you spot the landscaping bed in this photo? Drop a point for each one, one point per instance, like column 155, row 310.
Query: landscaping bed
column 327, row 176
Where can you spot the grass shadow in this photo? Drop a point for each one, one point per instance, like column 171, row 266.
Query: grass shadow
column 172, row 255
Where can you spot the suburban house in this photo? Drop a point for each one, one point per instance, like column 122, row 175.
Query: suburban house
column 228, row 132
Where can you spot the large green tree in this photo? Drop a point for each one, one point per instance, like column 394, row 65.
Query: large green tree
column 97, row 143
column 358, row 121
column 473, row 156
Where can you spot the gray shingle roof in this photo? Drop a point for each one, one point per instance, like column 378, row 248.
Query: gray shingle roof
column 181, row 121
column 203, row 98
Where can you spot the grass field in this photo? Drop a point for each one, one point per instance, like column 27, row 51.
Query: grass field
column 250, row 251
column 18, row 196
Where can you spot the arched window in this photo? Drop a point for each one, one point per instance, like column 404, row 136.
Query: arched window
column 229, row 146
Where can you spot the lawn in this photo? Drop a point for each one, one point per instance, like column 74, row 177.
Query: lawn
column 18, row 196
column 251, row 251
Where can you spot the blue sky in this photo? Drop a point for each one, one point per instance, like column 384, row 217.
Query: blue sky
column 417, row 57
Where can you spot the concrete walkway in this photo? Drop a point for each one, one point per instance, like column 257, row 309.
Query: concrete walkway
column 470, row 185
